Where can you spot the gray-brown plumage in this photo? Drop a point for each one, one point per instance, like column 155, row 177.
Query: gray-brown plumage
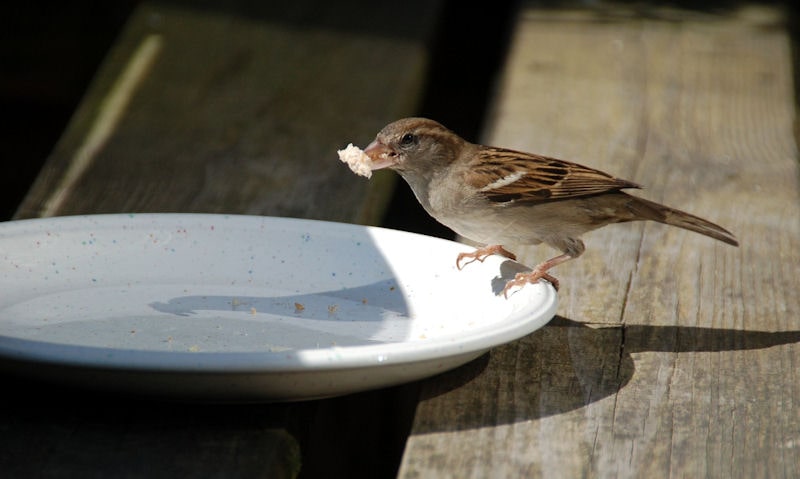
column 496, row 196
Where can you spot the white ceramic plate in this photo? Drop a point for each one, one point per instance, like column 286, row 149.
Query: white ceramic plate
column 246, row 308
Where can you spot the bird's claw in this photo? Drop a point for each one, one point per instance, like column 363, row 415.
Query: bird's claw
column 481, row 254
column 474, row 257
column 521, row 279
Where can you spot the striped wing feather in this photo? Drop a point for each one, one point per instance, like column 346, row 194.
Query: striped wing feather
column 506, row 175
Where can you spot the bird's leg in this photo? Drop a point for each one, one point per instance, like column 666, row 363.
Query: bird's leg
column 539, row 272
column 481, row 254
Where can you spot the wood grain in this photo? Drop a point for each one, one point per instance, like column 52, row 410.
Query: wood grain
column 672, row 355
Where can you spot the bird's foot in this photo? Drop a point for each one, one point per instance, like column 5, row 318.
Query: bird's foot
column 539, row 272
column 481, row 254
column 521, row 279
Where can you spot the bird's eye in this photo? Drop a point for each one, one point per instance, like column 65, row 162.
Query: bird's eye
column 408, row 139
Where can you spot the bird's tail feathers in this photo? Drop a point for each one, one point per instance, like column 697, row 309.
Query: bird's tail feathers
column 650, row 210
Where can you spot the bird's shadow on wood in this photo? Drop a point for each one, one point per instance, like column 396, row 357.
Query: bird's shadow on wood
column 562, row 367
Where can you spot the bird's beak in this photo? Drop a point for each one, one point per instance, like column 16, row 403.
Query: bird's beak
column 380, row 155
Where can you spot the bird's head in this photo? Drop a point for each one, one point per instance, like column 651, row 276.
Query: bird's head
column 414, row 146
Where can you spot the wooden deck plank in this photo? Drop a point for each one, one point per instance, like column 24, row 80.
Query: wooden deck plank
column 258, row 107
column 673, row 355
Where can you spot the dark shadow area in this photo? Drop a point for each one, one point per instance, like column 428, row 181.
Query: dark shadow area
column 793, row 16
column 361, row 17
column 92, row 435
column 49, row 53
column 567, row 365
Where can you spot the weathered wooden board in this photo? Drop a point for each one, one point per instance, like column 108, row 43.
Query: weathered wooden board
column 237, row 110
column 242, row 112
column 673, row 355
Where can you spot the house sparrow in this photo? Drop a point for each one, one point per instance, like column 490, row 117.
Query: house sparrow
column 496, row 196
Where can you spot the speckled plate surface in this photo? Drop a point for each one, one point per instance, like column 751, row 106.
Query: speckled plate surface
column 246, row 308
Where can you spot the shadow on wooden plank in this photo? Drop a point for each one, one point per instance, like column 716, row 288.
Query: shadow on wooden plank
column 566, row 366
column 386, row 19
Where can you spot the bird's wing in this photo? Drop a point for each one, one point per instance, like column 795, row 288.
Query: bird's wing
column 504, row 176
